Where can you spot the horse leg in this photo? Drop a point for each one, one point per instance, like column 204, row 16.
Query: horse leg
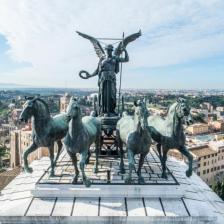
column 158, row 146
column 74, row 162
column 59, row 143
column 30, row 149
column 164, row 158
column 51, row 151
column 88, row 157
column 97, row 145
column 185, row 152
column 131, row 164
column 122, row 170
column 82, row 163
column 140, row 164
column 120, row 146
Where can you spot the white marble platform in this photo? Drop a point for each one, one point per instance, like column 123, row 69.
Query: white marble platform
column 60, row 184
column 198, row 205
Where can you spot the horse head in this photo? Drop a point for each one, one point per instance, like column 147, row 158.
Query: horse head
column 141, row 114
column 73, row 110
column 183, row 111
column 34, row 107
column 28, row 109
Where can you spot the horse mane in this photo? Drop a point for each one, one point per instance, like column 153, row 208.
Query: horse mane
column 46, row 105
column 172, row 111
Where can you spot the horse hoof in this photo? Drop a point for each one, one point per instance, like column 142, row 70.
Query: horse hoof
column 95, row 170
column 141, row 180
column 28, row 170
column 188, row 173
column 52, row 174
column 128, row 180
column 87, row 183
column 75, row 180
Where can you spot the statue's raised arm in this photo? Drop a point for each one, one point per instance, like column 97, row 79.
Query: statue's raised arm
column 99, row 51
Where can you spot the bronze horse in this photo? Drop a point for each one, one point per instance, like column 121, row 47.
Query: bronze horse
column 133, row 132
column 169, row 132
column 45, row 129
column 82, row 133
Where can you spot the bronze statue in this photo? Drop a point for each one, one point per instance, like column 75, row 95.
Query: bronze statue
column 45, row 129
column 107, row 69
column 133, row 132
column 82, row 133
column 169, row 132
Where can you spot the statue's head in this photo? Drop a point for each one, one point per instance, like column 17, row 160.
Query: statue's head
column 73, row 110
column 141, row 113
column 109, row 49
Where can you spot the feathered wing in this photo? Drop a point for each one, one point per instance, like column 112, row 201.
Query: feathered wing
column 123, row 44
column 98, row 48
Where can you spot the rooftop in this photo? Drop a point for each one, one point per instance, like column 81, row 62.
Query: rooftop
column 198, row 204
column 202, row 151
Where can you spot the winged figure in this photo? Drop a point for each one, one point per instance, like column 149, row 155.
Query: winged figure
column 108, row 67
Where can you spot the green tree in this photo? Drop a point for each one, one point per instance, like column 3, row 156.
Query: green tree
column 218, row 188
column 3, row 152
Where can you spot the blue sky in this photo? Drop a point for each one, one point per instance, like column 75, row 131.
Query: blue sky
column 182, row 45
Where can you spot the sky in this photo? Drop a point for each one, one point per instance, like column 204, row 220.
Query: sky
column 181, row 47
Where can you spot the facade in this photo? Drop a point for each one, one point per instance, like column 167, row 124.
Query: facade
column 20, row 140
column 197, row 128
column 64, row 101
column 217, row 125
column 210, row 160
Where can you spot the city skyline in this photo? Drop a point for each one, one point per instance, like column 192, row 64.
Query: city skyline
column 181, row 46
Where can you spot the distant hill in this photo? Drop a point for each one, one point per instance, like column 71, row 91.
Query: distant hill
column 12, row 86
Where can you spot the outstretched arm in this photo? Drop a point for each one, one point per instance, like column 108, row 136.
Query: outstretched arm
column 126, row 57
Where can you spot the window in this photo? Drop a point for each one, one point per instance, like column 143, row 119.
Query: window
column 207, row 170
column 208, row 156
column 211, row 169
column 204, row 171
column 204, row 163
column 199, row 165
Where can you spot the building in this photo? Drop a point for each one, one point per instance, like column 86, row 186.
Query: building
column 64, row 101
column 197, row 128
column 217, row 125
column 210, row 160
column 221, row 109
column 15, row 115
column 20, row 140
column 207, row 106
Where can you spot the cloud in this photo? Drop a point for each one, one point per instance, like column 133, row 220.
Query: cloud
column 42, row 33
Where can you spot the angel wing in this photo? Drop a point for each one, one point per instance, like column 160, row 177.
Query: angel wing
column 126, row 41
column 98, row 48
